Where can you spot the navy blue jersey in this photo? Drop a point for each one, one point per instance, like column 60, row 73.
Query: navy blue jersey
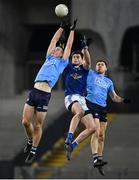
column 75, row 79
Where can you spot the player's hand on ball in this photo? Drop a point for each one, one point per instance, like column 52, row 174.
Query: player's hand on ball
column 65, row 24
column 73, row 26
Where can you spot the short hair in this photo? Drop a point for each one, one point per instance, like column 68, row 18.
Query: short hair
column 77, row 52
column 101, row 60
column 60, row 47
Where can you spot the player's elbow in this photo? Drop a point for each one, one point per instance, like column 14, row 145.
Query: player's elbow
column 114, row 99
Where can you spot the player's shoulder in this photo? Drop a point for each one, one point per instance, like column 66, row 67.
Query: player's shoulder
column 91, row 71
column 69, row 65
column 109, row 79
column 64, row 60
column 49, row 57
column 84, row 68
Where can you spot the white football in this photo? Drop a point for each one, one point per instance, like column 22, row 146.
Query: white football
column 61, row 10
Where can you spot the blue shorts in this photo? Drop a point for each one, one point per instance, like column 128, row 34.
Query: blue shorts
column 39, row 99
column 97, row 111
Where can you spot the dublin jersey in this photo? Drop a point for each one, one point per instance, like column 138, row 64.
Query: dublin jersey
column 98, row 88
column 51, row 70
column 75, row 80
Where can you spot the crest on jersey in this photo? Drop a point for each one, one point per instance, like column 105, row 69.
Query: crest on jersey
column 76, row 76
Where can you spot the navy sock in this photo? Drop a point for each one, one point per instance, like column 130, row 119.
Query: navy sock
column 100, row 158
column 95, row 157
column 30, row 141
column 74, row 144
column 33, row 150
column 70, row 136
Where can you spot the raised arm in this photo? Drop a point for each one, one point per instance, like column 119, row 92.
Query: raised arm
column 70, row 40
column 54, row 40
column 87, row 57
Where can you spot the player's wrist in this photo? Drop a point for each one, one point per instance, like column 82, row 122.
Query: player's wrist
column 85, row 47
column 73, row 26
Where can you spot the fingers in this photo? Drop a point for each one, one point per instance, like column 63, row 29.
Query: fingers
column 73, row 26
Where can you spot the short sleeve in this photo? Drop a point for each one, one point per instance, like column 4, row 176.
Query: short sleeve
column 111, row 87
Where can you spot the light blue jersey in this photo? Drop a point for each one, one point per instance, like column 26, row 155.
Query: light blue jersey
column 98, row 88
column 51, row 70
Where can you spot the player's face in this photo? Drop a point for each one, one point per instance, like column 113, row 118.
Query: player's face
column 58, row 52
column 77, row 59
column 101, row 67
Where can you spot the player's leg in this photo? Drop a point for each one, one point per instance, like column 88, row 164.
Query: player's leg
column 72, row 103
column 41, row 100
column 89, row 123
column 103, row 126
column 78, row 114
column 94, row 143
column 38, row 126
column 94, row 147
column 101, row 140
column 28, row 113
column 37, row 134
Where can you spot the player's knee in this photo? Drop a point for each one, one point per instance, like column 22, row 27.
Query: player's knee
column 80, row 114
column 37, row 127
column 101, row 137
column 38, row 124
column 92, row 129
column 25, row 122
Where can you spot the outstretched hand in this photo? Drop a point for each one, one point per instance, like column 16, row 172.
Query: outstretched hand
column 85, row 42
column 73, row 26
column 127, row 101
column 65, row 24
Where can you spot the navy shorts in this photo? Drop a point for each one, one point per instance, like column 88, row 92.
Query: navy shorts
column 97, row 111
column 39, row 99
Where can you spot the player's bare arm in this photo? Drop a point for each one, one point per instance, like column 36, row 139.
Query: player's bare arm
column 68, row 47
column 54, row 40
column 87, row 57
column 115, row 97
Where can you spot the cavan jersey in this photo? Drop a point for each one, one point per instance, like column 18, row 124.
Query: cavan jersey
column 75, row 80
column 98, row 88
column 51, row 70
